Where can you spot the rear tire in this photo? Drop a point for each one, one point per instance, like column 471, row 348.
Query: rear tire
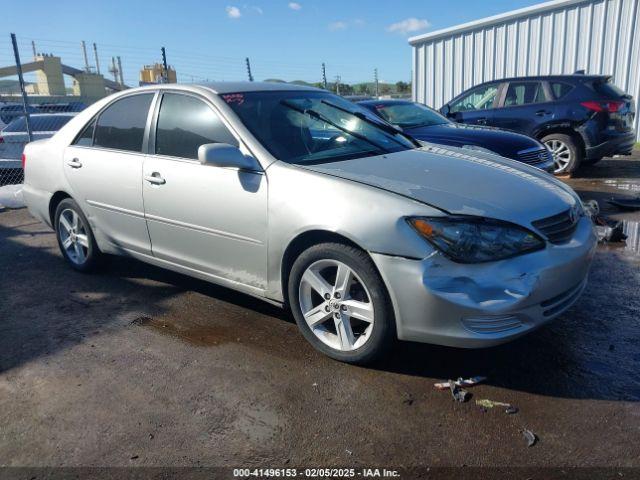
column 567, row 154
column 341, row 304
column 75, row 238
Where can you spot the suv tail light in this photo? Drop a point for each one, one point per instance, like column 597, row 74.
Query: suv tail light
column 24, row 160
column 1, row 139
column 610, row 107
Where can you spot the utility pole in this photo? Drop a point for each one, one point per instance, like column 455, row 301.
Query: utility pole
column 249, row 69
column 95, row 52
column 120, row 71
column 165, row 69
column 324, row 76
column 84, row 54
column 33, row 47
column 25, row 100
column 375, row 77
column 114, row 70
column 338, row 84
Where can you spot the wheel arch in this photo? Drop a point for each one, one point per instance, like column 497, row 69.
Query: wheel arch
column 564, row 129
column 303, row 241
column 56, row 198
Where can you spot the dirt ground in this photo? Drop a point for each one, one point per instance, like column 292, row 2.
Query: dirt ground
column 140, row 366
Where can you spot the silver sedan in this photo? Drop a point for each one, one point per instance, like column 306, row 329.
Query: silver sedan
column 303, row 199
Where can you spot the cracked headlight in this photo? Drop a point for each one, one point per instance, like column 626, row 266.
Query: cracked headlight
column 466, row 239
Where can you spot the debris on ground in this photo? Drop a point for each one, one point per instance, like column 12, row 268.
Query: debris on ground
column 11, row 196
column 460, row 382
column 485, row 404
column 591, row 207
column 459, row 395
column 530, row 437
column 608, row 230
column 625, row 203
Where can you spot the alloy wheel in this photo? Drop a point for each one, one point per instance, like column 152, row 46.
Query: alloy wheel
column 561, row 152
column 73, row 236
column 336, row 305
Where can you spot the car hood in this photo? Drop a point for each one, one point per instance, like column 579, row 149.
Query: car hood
column 504, row 142
column 457, row 182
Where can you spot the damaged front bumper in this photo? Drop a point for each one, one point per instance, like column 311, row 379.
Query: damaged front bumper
column 479, row 305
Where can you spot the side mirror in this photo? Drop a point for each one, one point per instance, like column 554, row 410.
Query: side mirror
column 225, row 155
column 446, row 110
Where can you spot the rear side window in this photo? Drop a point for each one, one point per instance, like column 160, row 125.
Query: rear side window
column 85, row 139
column 608, row 89
column 524, row 93
column 185, row 123
column 121, row 125
column 560, row 89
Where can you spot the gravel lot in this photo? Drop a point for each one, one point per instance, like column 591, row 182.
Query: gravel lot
column 141, row 366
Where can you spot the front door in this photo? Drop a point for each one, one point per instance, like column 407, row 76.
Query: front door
column 206, row 218
column 476, row 107
column 104, row 169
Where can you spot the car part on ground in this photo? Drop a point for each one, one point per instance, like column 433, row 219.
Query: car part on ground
column 292, row 195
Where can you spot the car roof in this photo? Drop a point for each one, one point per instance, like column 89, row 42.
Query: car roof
column 385, row 102
column 239, row 87
column 573, row 76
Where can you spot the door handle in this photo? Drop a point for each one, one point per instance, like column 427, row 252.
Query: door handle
column 74, row 163
column 540, row 113
column 481, row 121
column 155, row 178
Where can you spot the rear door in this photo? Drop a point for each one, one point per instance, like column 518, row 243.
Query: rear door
column 476, row 107
column 524, row 106
column 104, row 168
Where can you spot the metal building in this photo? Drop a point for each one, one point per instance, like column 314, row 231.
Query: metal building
column 556, row 37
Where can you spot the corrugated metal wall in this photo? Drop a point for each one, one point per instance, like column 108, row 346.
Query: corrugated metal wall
column 598, row 36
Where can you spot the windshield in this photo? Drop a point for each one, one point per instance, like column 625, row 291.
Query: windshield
column 49, row 123
column 314, row 127
column 408, row 115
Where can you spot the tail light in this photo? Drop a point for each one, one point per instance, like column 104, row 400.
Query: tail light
column 610, row 107
column 24, row 160
column 1, row 139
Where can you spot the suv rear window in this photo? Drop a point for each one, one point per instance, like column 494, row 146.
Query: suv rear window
column 608, row 89
column 560, row 89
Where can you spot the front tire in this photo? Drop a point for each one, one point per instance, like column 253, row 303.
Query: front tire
column 75, row 238
column 566, row 153
column 341, row 304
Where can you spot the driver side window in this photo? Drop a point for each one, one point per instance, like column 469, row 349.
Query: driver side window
column 480, row 98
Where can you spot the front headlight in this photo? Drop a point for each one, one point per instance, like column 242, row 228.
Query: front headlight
column 466, row 239
column 480, row 149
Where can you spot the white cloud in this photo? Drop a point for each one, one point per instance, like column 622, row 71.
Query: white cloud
column 258, row 10
column 233, row 12
column 334, row 26
column 295, row 6
column 408, row 25
column 358, row 22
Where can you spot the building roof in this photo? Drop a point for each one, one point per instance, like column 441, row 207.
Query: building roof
column 496, row 19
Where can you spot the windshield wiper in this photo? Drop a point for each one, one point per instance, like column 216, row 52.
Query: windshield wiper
column 361, row 116
column 318, row 116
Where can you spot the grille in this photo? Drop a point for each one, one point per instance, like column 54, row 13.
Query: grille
column 491, row 323
column 534, row 155
column 558, row 228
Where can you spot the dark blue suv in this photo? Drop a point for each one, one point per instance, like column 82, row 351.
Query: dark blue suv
column 580, row 118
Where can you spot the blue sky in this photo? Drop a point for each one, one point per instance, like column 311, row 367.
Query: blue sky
column 210, row 39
